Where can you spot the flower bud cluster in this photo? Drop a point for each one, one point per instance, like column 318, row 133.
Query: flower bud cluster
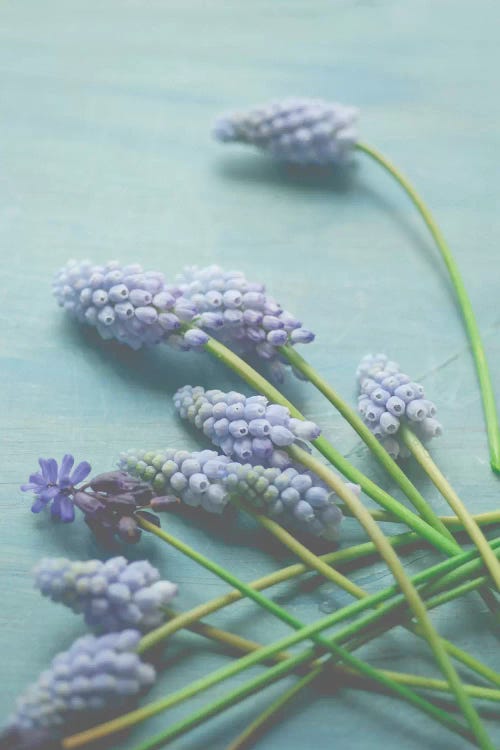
column 301, row 131
column 248, row 428
column 112, row 595
column 241, row 314
column 111, row 504
column 388, row 396
column 135, row 307
column 209, row 480
column 95, row 673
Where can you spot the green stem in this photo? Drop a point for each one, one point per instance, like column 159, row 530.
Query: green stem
column 252, row 732
column 423, row 457
column 471, row 326
column 378, row 450
column 489, row 518
column 258, row 683
column 313, row 631
column 415, row 602
column 309, row 558
column 347, row 632
column 261, row 385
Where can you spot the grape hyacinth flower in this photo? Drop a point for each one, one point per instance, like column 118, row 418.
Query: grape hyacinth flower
column 208, row 480
column 54, row 486
column 248, row 428
column 110, row 502
column 242, row 315
column 95, row 674
column 296, row 130
column 135, row 307
column 112, row 595
column 138, row 308
column 387, row 397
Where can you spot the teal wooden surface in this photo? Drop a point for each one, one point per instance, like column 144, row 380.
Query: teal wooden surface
column 105, row 150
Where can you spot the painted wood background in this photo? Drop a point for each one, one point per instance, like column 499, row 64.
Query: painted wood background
column 106, row 109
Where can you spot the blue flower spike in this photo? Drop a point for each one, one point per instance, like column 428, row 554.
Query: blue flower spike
column 112, row 595
column 208, row 480
column 388, row 397
column 248, row 428
column 138, row 308
column 96, row 673
column 242, row 315
column 295, row 130
column 55, row 486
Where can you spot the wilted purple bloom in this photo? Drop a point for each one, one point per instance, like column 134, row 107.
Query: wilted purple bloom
column 55, row 486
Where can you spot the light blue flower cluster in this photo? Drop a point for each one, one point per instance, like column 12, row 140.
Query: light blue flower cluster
column 248, row 428
column 112, row 595
column 241, row 314
column 302, row 131
column 135, row 307
column 95, row 673
column 139, row 308
column 388, row 396
column 209, row 480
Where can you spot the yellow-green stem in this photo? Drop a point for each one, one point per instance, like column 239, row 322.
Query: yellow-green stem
column 415, row 602
column 423, row 457
column 471, row 326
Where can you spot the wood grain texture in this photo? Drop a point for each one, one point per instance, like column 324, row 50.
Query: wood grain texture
column 105, row 114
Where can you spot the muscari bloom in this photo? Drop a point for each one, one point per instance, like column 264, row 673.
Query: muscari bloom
column 208, row 480
column 110, row 502
column 388, row 397
column 95, row 674
column 242, row 315
column 55, row 486
column 112, row 595
column 139, row 308
column 248, row 428
column 296, row 130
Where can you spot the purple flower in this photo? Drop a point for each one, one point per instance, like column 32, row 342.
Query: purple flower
column 295, row 130
column 54, row 487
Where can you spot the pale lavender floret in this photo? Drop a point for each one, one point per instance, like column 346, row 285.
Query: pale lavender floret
column 112, row 596
column 387, row 397
column 241, row 314
column 248, row 428
column 208, row 480
column 94, row 673
column 135, row 307
column 296, row 130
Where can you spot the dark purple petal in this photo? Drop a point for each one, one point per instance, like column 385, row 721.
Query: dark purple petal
column 165, row 502
column 66, row 510
column 113, row 481
column 66, row 466
column 49, row 469
column 124, row 503
column 82, row 470
column 87, row 503
column 39, row 505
